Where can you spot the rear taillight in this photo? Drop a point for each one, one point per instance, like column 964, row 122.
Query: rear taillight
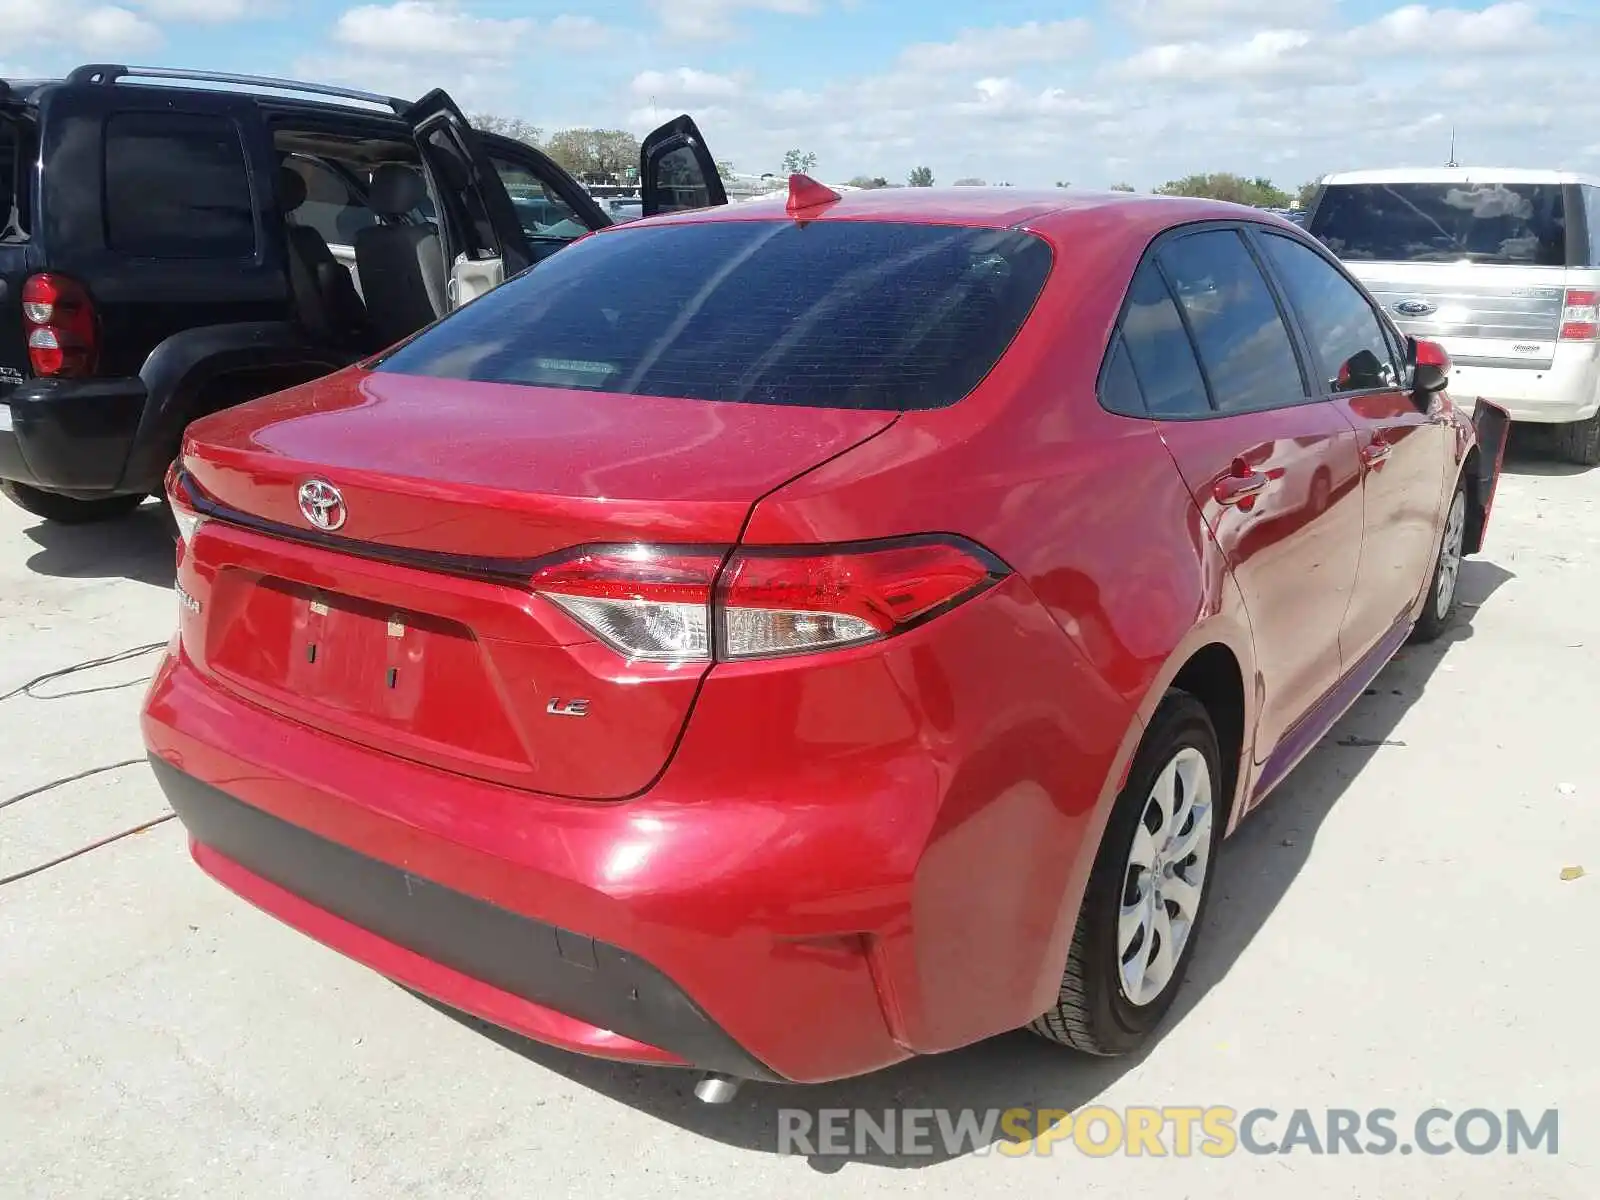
column 63, row 332
column 1580, row 316
column 674, row 604
column 180, row 498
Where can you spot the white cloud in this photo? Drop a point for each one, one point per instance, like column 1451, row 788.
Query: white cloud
column 443, row 28
column 685, row 83
column 210, row 11
column 78, row 27
column 1512, row 27
column 1001, row 47
column 1258, row 90
column 1272, row 52
column 427, row 27
column 711, row 20
column 1180, row 19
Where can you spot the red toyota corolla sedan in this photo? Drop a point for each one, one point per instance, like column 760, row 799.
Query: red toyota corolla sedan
column 783, row 641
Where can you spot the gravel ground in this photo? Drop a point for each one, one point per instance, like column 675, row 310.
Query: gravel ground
column 1393, row 931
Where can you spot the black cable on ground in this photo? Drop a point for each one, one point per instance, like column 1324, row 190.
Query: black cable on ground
column 108, row 661
column 82, row 850
column 27, row 690
column 55, row 783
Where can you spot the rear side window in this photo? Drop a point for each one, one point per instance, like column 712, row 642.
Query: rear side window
column 1159, row 349
column 1243, row 343
column 1345, row 334
column 831, row 314
column 176, row 187
column 1511, row 223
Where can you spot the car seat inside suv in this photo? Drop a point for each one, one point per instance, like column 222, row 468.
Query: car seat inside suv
column 401, row 265
column 325, row 297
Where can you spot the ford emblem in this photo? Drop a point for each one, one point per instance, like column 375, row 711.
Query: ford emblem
column 1414, row 308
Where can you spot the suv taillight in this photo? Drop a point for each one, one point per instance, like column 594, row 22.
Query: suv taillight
column 686, row 604
column 63, row 332
column 1580, row 316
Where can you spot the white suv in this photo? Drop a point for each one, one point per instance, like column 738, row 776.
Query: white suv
column 1500, row 266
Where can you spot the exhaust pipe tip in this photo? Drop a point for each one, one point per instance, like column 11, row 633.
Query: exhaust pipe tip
column 716, row 1089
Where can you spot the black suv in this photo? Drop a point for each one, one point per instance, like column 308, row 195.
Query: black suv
column 180, row 242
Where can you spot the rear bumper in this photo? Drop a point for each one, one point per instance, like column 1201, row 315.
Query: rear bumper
column 862, row 880
column 562, row 987
column 1568, row 390
column 72, row 436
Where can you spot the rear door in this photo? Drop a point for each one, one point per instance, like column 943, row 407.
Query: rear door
column 484, row 238
column 676, row 170
column 552, row 208
column 1406, row 449
column 1273, row 468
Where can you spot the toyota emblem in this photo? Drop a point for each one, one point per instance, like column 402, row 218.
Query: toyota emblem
column 322, row 504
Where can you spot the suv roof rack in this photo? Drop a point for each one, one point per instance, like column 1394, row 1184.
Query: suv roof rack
column 109, row 73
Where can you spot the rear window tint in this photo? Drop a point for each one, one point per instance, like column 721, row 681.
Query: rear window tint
column 832, row 314
column 1442, row 222
column 177, row 187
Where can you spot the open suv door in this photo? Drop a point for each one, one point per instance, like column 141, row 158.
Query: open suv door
column 485, row 238
column 677, row 172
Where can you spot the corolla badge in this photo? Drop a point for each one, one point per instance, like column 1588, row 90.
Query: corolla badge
column 1414, row 308
column 322, row 504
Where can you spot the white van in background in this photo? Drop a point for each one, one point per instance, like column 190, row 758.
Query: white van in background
column 1501, row 267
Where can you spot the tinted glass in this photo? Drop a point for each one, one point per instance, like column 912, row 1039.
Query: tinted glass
column 682, row 182
column 1244, row 345
column 331, row 207
column 1159, row 349
column 1443, row 222
column 1119, row 386
column 541, row 211
column 1345, row 334
column 836, row 314
column 176, row 187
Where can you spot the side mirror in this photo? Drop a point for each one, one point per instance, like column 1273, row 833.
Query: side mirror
column 1430, row 367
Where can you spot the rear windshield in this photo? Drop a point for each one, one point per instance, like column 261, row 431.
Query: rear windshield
column 832, row 314
column 1521, row 223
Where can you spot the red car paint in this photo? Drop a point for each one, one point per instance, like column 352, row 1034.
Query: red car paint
column 841, row 858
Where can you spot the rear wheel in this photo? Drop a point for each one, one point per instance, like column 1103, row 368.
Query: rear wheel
column 1148, row 891
column 1579, row 441
column 1443, row 590
column 64, row 510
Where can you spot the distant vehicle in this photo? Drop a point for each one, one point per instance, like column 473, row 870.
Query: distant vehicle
column 786, row 640
column 1500, row 266
column 181, row 241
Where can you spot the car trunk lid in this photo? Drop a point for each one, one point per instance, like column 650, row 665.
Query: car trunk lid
column 412, row 627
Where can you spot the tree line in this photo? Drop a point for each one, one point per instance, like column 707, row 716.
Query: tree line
column 611, row 155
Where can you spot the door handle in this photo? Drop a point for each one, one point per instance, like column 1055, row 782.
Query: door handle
column 1375, row 452
column 1236, row 489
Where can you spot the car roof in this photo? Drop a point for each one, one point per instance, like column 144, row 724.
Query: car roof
column 1043, row 210
column 1461, row 175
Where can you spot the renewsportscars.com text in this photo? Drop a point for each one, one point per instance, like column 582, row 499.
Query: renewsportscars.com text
column 1166, row 1131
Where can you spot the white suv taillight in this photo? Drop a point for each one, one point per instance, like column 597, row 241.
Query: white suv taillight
column 688, row 604
column 1580, row 316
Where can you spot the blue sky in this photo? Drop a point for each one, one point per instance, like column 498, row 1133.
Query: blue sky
column 1010, row 90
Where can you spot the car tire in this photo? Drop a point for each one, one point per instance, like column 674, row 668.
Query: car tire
column 1444, row 598
column 1121, row 979
column 64, row 510
column 1579, row 441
